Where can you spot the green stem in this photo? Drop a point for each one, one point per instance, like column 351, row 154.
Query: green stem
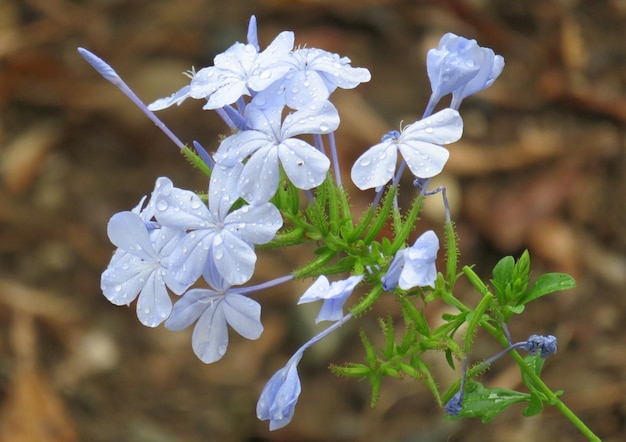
column 553, row 398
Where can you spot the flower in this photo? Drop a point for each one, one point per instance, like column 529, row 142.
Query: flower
column 139, row 267
column 414, row 266
column 461, row 67
column 270, row 142
column 279, row 397
column 213, row 233
column 420, row 145
column 546, row 345
column 312, row 76
column 228, row 80
column 214, row 309
column 334, row 295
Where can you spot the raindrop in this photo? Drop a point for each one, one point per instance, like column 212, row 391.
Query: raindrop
column 162, row 205
column 365, row 162
column 195, row 204
column 117, row 288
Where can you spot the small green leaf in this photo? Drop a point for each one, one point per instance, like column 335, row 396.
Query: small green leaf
column 487, row 403
column 548, row 283
column 535, row 406
column 502, row 274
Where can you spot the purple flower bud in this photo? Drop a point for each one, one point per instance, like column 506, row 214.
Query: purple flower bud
column 546, row 345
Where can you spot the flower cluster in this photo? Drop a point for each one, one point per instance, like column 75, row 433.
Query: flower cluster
column 277, row 105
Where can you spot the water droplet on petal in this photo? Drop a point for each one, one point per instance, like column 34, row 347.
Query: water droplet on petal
column 162, row 205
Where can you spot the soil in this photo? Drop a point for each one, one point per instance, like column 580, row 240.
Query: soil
column 541, row 167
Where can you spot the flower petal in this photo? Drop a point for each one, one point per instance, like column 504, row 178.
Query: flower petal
column 154, row 304
column 243, row 315
column 375, row 167
column 210, row 335
column 305, row 166
column 128, row 232
column 188, row 309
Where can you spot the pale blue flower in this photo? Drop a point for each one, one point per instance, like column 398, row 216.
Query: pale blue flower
column 224, row 238
column 139, row 267
column 420, row 145
column 333, row 294
column 228, row 79
column 313, row 75
column 214, row 309
column 279, row 396
column 270, row 142
column 414, row 266
column 461, row 67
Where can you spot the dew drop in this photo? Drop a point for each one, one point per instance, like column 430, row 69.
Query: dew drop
column 162, row 205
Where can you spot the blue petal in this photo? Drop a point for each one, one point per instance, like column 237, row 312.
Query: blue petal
column 128, row 232
column 425, row 160
column 254, row 224
column 260, row 175
column 176, row 98
column 233, row 258
column 123, row 279
column 317, row 118
column 154, row 304
column 316, row 291
column 243, row 315
column 188, row 309
column 376, row 166
column 305, row 166
column 210, row 335
column 279, row 396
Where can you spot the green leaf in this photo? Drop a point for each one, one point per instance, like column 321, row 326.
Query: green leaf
column 548, row 283
column 535, row 406
column 487, row 403
column 536, row 364
column 502, row 274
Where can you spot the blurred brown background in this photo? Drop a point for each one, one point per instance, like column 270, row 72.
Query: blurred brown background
column 541, row 166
